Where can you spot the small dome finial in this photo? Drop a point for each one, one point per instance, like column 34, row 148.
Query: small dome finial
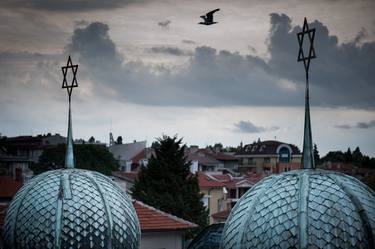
column 69, row 156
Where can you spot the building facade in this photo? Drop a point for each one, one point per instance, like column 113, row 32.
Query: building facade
column 268, row 157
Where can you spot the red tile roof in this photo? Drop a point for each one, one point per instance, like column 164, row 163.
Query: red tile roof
column 130, row 176
column 8, row 186
column 152, row 219
column 225, row 157
column 221, row 215
column 207, row 181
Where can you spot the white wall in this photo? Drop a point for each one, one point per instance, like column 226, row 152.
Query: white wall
column 161, row 240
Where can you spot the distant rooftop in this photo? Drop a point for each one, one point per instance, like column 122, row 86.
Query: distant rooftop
column 152, row 219
column 127, row 151
column 268, row 147
column 8, row 187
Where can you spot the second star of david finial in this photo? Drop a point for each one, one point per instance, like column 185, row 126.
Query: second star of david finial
column 74, row 83
column 311, row 53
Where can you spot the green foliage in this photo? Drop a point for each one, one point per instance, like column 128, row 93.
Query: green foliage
column 316, row 155
column 221, row 148
column 356, row 158
column 87, row 156
column 167, row 184
column 91, row 140
column 119, row 140
column 155, row 145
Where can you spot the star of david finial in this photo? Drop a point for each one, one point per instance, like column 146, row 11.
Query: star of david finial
column 311, row 53
column 69, row 87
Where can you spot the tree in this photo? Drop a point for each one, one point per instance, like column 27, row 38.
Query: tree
column 119, row 140
column 333, row 156
column 348, row 156
column 167, row 184
column 91, row 140
column 87, row 156
column 155, row 145
column 357, row 157
column 316, row 155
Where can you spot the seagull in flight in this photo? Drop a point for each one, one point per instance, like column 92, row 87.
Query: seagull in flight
column 209, row 18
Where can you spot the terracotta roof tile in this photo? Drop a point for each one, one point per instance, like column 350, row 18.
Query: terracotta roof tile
column 130, row 176
column 207, row 181
column 221, row 215
column 8, row 186
column 152, row 219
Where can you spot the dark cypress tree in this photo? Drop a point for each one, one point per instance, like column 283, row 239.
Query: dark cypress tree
column 167, row 184
column 316, row 155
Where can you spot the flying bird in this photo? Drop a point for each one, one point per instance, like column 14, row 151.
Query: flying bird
column 209, row 18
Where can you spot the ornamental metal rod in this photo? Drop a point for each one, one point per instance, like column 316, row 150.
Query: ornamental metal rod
column 69, row 155
column 307, row 154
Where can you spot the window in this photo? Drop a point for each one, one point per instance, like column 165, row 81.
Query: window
column 205, row 200
column 267, row 160
column 284, row 155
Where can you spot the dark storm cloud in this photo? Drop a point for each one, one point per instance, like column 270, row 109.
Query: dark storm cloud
column 164, row 24
column 24, row 30
column 66, row 5
column 94, row 46
column 169, row 51
column 249, row 127
column 359, row 125
column 340, row 76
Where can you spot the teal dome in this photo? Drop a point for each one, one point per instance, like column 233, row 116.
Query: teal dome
column 71, row 208
column 303, row 209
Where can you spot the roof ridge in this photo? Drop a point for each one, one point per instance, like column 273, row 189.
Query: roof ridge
column 165, row 214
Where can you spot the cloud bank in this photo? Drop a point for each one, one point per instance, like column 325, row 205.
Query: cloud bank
column 359, row 125
column 340, row 76
column 66, row 5
column 249, row 127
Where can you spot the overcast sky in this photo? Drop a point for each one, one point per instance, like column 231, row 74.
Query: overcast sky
column 146, row 68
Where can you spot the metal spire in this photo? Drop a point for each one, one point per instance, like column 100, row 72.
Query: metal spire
column 307, row 154
column 69, row 156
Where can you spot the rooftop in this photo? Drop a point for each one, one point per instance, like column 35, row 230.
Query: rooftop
column 152, row 219
column 127, row 151
column 9, row 186
column 126, row 175
column 268, row 147
column 208, row 181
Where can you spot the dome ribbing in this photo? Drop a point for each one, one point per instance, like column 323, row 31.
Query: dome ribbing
column 303, row 209
column 71, row 208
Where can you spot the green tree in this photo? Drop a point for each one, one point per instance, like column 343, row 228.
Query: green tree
column 333, row 156
column 316, row 155
column 167, row 184
column 357, row 157
column 91, row 140
column 348, row 156
column 88, row 156
column 119, row 140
